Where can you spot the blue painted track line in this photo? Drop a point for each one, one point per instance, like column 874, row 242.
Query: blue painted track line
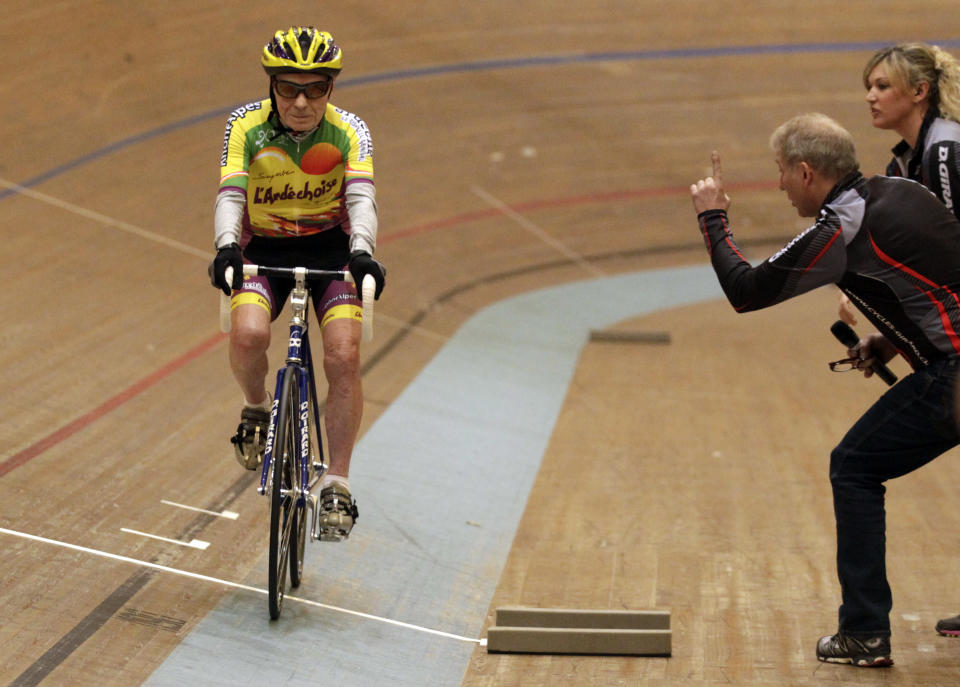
column 483, row 65
column 442, row 479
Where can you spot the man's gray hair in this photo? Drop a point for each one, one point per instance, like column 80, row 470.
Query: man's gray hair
column 819, row 141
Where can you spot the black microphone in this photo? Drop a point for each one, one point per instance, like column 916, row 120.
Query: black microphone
column 849, row 338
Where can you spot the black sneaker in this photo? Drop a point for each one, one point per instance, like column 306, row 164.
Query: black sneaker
column 949, row 627
column 866, row 652
column 251, row 438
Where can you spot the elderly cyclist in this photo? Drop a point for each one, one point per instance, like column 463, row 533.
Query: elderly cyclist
column 296, row 189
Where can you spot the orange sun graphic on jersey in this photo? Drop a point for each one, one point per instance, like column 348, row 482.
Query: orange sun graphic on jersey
column 321, row 159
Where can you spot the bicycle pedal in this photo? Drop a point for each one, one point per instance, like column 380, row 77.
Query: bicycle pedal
column 250, row 439
column 328, row 532
column 333, row 534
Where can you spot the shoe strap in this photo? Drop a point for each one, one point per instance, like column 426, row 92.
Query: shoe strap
column 258, row 415
column 336, row 496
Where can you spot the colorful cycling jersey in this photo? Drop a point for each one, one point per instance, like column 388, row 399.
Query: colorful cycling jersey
column 936, row 161
column 294, row 184
column 887, row 242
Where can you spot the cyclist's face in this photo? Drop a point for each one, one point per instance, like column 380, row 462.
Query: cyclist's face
column 301, row 113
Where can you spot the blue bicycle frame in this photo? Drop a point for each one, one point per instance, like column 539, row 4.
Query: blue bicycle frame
column 299, row 363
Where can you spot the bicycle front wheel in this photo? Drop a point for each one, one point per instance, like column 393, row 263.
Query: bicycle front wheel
column 309, row 440
column 283, row 491
column 298, row 545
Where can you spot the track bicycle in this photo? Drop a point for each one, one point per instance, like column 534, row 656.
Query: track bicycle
column 293, row 461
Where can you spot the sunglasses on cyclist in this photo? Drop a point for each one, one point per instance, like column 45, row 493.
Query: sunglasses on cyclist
column 291, row 90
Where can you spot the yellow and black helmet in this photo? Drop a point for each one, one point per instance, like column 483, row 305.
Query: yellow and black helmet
column 302, row 49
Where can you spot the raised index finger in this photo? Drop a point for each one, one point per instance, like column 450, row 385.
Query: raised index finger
column 717, row 172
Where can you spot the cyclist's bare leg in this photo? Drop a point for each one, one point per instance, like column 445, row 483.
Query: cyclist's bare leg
column 249, row 340
column 341, row 365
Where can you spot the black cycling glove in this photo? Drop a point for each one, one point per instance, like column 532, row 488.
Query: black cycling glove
column 227, row 256
column 362, row 264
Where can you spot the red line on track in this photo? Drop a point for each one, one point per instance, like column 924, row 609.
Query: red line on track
column 640, row 194
column 109, row 405
column 137, row 388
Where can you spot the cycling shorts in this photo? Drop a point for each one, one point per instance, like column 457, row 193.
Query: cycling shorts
column 332, row 299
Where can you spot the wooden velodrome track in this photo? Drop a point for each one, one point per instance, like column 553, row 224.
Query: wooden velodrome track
column 518, row 145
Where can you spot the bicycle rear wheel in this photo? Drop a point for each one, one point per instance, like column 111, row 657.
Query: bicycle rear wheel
column 285, row 479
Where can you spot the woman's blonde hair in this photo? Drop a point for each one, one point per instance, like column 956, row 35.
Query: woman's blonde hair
column 911, row 64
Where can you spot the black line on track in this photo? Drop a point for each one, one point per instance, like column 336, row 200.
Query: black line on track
column 418, row 317
column 96, row 619
column 83, row 630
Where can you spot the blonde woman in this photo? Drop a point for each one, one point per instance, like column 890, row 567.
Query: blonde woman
column 914, row 89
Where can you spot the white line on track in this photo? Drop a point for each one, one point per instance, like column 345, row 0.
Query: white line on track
column 236, row 585
column 229, row 514
column 103, row 219
column 537, row 231
column 193, row 543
